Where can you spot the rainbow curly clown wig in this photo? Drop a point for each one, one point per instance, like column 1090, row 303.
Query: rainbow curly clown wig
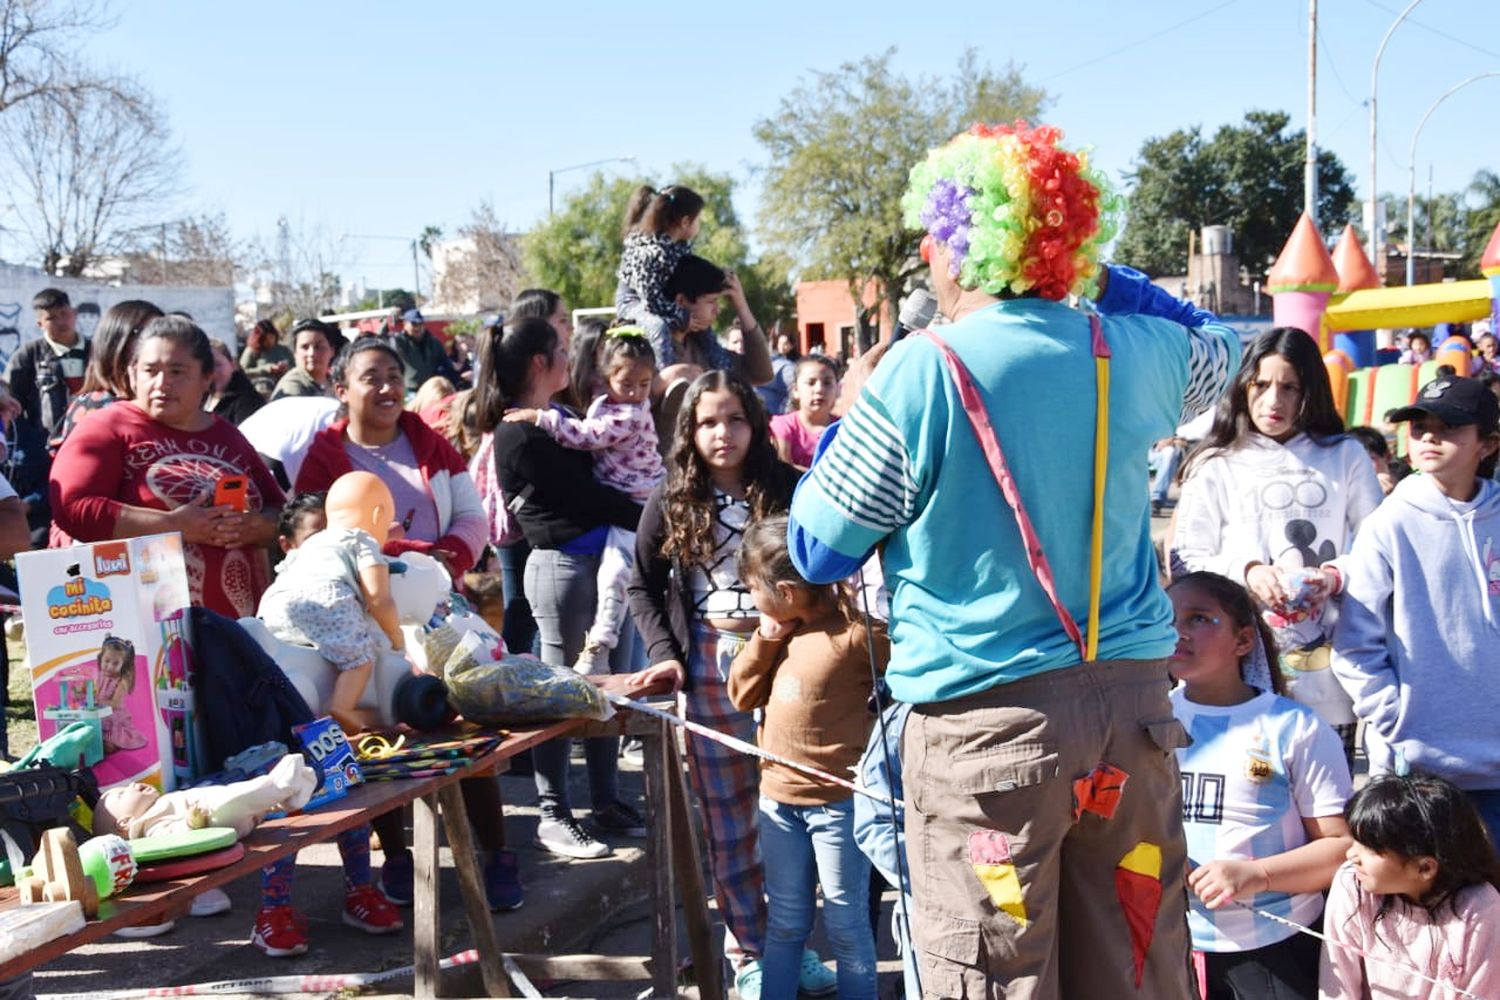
column 1018, row 213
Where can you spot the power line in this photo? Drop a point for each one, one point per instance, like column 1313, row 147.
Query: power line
column 1332, row 68
column 1441, row 34
column 1140, row 41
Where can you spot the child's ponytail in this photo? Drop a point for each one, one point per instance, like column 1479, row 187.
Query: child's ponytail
column 765, row 558
column 653, row 212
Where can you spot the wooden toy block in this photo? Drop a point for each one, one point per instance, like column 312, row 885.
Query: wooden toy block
column 57, row 875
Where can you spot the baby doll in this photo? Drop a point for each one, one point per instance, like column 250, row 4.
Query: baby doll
column 139, row 810
column 116, row 681
column 333, row 593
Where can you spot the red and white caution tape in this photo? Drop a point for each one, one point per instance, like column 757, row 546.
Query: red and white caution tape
column 268, row 984
column 734, row 743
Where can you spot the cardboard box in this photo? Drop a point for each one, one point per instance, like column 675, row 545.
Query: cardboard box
column 106, row 644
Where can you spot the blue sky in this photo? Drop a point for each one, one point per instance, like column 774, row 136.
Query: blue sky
column 382, row 117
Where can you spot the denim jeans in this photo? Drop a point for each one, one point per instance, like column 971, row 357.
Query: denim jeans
column 1164, row 461
column 562, row 592
column 811, row 846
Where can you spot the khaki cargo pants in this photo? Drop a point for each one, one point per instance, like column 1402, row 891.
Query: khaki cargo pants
column 1044, row 835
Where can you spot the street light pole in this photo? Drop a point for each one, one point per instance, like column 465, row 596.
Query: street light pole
column 1374, row 189
column 552, row 174
column 1310, row 174
column 1411, row 173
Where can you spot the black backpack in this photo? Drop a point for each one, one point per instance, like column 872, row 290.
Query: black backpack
column 241, row 696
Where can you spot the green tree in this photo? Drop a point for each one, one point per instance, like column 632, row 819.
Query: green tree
column 576, row 252
column 1482, row 204
column 429, row 236
column 1440, row 220
column 769, row 290
column 1248, row 177
column 386, row 298
column 841, row 146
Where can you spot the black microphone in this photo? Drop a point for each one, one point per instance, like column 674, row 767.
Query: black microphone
column 917, row 312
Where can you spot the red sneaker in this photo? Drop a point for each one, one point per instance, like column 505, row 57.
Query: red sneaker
column 369, row 910
column 280, row 931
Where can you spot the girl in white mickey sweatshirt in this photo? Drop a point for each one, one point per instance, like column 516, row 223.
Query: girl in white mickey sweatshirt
column 1272, row 498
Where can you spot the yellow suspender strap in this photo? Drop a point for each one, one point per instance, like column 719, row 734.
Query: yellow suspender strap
column 1101, row 475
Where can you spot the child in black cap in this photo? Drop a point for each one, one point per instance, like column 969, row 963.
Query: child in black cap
column 1420, row 622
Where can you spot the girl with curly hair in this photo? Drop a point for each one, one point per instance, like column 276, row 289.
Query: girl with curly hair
column 696, row 614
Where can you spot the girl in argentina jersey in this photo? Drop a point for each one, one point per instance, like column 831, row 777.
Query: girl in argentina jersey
column 1264, row 785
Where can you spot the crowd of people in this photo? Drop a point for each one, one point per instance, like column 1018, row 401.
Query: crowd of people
column 934, row 569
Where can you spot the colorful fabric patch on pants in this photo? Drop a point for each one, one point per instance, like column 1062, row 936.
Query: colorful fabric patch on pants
column 989, row 853
column 1138, row 887
column 1099, row 791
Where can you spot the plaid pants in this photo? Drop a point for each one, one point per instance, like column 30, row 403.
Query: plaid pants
column 726, row 784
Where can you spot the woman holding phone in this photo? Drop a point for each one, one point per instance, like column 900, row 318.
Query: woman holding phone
column 157, row 462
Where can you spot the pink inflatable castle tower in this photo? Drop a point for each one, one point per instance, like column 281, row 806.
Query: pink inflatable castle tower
column 1301, row 281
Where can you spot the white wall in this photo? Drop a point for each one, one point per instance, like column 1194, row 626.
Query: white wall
column 211, row 308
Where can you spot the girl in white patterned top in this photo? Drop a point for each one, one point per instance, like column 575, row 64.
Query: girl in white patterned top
column 695, row 615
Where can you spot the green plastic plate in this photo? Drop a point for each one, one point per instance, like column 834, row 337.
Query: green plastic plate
column 182, row 845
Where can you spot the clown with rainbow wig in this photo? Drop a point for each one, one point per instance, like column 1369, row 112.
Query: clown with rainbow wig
column 998, row 463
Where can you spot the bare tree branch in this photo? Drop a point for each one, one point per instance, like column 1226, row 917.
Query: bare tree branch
column 38, row 53
column 481, row 269
column 297, row 276
column 199, row 250
column 88, row 165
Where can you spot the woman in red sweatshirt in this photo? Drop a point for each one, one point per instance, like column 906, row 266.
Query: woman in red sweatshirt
column 151, row 464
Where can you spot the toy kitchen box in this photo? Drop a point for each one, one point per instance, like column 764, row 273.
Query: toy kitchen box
column 107, row 644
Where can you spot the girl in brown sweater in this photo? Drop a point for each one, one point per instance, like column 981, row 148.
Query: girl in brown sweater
column 808, row 666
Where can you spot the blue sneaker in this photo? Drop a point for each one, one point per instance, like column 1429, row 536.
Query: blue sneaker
column 502, row 881
column 747, row 980
column 396, row 878
column 816, row 979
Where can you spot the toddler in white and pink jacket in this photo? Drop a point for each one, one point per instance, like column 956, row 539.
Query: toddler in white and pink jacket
column 621, row 432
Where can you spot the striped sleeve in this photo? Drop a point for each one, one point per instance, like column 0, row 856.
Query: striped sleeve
column 1213, row 358
column 863, row 478
column 1213, row 348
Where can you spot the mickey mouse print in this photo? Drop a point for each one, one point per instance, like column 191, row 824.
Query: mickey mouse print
column 1291, row 505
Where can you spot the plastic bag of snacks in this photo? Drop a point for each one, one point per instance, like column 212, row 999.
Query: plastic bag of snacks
column 438, row 643
column 517, row 689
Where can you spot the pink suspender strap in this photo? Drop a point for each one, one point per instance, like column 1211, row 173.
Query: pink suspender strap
column 994, row 455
